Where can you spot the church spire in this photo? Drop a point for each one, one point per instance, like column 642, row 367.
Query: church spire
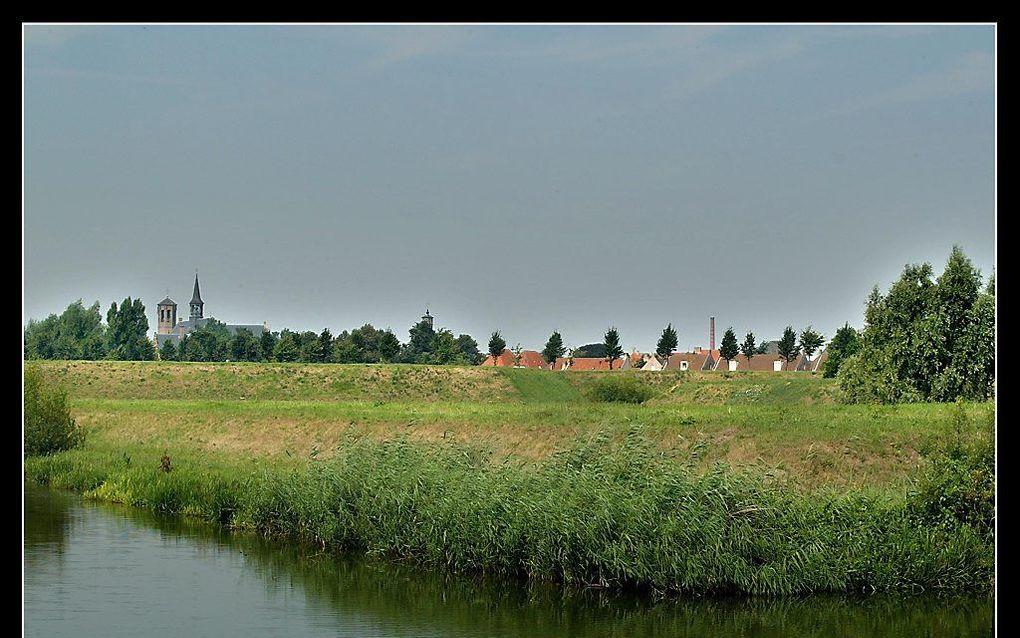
column 196, row 301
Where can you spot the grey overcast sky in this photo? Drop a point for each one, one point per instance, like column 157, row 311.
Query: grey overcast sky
column 526, row 178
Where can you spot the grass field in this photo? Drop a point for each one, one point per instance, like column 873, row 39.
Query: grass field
column 783, row 424
column 748, row 482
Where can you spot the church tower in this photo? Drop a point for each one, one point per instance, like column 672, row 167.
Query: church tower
column 427, row 318
column 196, row 302
column 166, row 315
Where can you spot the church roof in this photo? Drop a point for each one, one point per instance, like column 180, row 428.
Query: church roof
column 167, row 302
column 197, row 296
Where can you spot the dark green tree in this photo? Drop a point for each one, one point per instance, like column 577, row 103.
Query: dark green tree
column 844, row 344
column 78, row 333
column 810, row 341
column 420, row 346
column 554, row 348
column 184, row 349
column 127, row 334
column 590, row 350
column 763, row 348
column 445, row 349
column 729, row 349
column 788, row 347
column 497, row 344
column 611, row 341
column 926, row 339
column 244, row 347
column 267, row 344
column 748, row 348
column 325, row 350
column 287, row 348
column 389, row 346
column 209, row 342
column 469, row 349
column 307, row 342
column 169, row 351
column 667, row 342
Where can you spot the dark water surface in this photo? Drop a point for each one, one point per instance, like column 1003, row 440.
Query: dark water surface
column 105, row 570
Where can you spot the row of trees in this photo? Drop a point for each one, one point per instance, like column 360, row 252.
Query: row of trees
column 213, row 341
column 926, row 339
column 789, row 347
column 79, row 333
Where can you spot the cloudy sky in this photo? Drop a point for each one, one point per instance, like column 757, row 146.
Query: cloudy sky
column 525, row 178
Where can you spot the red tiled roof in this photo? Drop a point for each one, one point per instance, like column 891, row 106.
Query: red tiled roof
column 529, row 359
column 586, row 363
column 760, row 362
column 695, row 360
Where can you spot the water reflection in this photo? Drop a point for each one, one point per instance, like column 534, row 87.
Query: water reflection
column 181, row 577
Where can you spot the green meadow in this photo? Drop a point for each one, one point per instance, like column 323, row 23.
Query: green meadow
column 755, row 483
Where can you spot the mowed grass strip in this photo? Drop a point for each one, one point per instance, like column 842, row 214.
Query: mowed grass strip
column 334, row 382
column 810, row 446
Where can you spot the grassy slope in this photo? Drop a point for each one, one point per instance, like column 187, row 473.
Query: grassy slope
column 780, row 423
column 611, row 510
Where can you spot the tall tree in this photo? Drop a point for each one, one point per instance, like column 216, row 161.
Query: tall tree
column 287, row 348
column 920, row 340
column 389, row 346
column 469, row 349
column 244, row 347
column 419, row 347
column 128, row 332
column 788, row 348
column 325, row 350
column 844, row 344
column 667, row 342
column 497, row 344
column 184, row 349
column 810, row 341
column 729, row 349
column 267, row 344
column 445, row 350
column 748, row 348
column 169, row 351
column 209, row 342
column 554, row 348
column 611, row 341
column 78, row 333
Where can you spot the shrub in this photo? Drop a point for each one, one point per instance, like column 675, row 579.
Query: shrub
column 621, row 389
column 958, row 485
column 49, row 426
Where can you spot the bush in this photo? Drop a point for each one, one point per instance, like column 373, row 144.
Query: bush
column 958, row 485
column 49, row 426
column 622, row 389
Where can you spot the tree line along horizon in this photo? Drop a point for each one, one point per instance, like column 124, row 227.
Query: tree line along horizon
column 926, row 339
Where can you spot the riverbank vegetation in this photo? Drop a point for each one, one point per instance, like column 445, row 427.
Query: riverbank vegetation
column 48, row 426
column 761, row 485
column 604, row 513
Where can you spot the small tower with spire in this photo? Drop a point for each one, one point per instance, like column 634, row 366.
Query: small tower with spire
column 196, row 302
column 166, row 315
column 427, row 318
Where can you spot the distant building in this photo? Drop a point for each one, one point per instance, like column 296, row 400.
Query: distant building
column 586, row 363
column 169, row 329
column 529, row 359
column 700, row 360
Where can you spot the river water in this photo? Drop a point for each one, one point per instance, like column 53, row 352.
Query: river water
column 105, row 570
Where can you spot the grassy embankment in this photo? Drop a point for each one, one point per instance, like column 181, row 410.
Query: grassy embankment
column 753, row 482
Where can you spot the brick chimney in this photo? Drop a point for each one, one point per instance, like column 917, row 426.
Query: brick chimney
column 711, row 334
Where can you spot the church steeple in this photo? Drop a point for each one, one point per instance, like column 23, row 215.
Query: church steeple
column 196, row 302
